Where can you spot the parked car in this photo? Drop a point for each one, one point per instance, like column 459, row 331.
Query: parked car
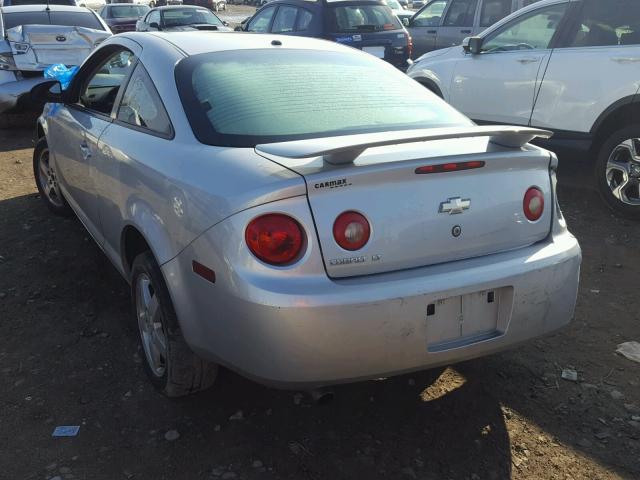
column 368, row 25
column 444, row 23
column 235, row 184
column 215, row 5
column 33, row 37
column 416, row 4
column 122, row 17
column 181, row 18
column 567, row 66
column 10, row 3
column 163, row 3
column 398, row 10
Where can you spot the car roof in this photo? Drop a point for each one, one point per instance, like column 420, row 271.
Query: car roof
column 194, row 43
column 42, row 7
column 324, row 3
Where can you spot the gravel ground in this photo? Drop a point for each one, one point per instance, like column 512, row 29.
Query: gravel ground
column 69, row 356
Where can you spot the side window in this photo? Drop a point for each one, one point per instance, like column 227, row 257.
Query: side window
column 461, row 13
column 614, row 22
column 101, row 88
column 153, row 17
column 493, row 11
column 260, row 23
column 430, row 15
column 532, row 31
column 304, row 19
column 141, row 105
column 285, row 19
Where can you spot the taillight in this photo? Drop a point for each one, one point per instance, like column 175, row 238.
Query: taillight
column 409, row 44
column 533, row 204
column 275, row 238
column 351, row 230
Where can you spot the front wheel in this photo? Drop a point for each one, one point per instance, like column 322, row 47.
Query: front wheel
column 169, row 362
column 46, row 177
column 618, row 171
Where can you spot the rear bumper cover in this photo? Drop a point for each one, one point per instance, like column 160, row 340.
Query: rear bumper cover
column 326, row 331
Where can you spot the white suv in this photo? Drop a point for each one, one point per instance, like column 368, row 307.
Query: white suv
column 570, row 66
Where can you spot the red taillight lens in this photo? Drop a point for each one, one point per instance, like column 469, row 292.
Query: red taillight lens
column 274, row 238
column 533, row 204
column 351, row 230
column 449, row 167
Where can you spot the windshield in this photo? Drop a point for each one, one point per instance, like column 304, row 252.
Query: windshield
column 176, row 17
column 69, row 19
column 246, row 97
column 127, row 11
column 362, row 18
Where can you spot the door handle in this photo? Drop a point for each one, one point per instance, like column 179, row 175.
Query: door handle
column 86, row 152
column 524, row 61
column 432, row 31
column 465, row 31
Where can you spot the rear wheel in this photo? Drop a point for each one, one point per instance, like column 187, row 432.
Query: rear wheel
column 170, row 364
column 47, row 180
column 618, row 171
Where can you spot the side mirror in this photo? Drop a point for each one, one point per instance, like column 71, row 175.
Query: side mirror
column 225, row 23
column 49, row 91
column 155, row 25
column 406, row 21
column 472, row 45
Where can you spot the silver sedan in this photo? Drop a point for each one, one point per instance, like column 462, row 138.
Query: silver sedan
column 302, row 212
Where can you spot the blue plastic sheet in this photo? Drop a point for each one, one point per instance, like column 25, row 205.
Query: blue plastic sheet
column 60, row 72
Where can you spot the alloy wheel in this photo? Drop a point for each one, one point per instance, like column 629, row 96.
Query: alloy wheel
column 154, row 338
column 48, row 180
column 623, row 172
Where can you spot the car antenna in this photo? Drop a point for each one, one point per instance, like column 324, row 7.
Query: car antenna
column 47, row 9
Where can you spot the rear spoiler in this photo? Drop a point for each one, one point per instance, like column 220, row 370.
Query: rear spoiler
column 345, row 149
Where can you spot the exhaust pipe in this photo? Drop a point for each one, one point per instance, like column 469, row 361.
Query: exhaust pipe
column 321, row 396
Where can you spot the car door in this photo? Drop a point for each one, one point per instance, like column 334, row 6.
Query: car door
column 424, row 25
column 596, row 64
column 152, row 17
column 261, row 21
column 284, row 22
column 78, row 125
column 492, row 11
column 499, row 83
column 458, row 23
column 140, row 132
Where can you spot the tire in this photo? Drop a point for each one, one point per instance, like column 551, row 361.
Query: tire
column 618, row 164
column 46, row 180
column 174, row 370
column 432, row 87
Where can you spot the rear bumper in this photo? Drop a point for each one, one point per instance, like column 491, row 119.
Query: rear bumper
column 320, row 331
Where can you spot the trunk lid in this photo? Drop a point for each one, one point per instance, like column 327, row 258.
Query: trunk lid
column 35, row 47
column 425, row 219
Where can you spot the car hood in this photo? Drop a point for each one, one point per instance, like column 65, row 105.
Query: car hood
column 35, row 47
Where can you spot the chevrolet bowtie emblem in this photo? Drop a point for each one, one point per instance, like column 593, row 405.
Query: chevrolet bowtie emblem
column 455, row 205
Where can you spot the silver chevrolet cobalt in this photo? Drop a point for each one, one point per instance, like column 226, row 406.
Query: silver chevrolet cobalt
column 302, row 212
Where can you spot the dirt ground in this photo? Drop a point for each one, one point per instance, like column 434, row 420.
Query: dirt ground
column 69, row 356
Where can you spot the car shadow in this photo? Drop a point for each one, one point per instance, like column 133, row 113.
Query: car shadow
column 74, row 354
column 18, row 137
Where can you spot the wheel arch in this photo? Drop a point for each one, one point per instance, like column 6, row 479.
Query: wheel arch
column 431, row 85
column 136, row 239
column 625, row 111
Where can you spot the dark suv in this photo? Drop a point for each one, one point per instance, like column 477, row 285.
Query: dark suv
column 368, row 25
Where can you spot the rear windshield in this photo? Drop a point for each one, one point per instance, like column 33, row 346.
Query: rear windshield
column 176, row 17
column 247, row 97
column 69, row 19
column 127, row 11
column 362, row 18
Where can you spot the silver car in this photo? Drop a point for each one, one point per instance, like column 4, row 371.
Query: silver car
column 302, row 212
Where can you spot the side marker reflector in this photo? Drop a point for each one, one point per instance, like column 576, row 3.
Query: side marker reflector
column 204, row 272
